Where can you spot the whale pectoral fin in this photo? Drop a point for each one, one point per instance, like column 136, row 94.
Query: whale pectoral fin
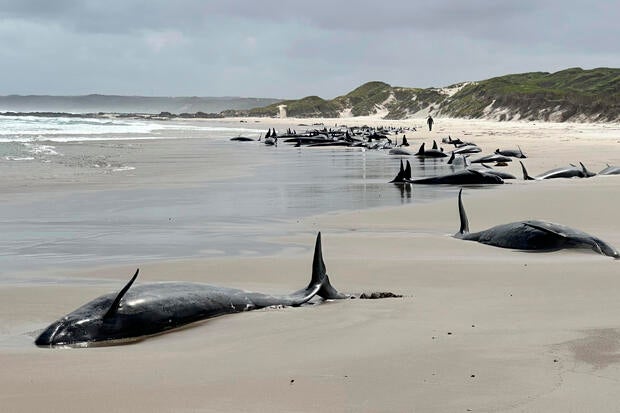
column 597, row 248
column 451, row 160
column 117, row 301
column 545, row 229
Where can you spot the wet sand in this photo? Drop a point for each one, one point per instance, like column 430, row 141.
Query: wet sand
column 479, row 328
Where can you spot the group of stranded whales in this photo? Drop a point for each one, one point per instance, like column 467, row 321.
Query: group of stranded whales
column 141, row 311
column 473, row 176
column 138, row 312
column 357, row 137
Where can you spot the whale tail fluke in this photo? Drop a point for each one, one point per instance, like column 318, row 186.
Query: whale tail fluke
column 526, row 176
column 463, row 217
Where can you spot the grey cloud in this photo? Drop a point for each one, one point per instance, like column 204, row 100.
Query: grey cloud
column 291, row 48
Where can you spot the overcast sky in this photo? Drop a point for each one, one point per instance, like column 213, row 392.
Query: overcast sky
column 290, row 48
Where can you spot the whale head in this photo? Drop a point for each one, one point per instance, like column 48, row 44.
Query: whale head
column 95, row 321
column 73, row 331
column 88, row 324
column 607, row 249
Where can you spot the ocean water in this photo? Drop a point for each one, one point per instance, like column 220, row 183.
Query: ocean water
column 228, row 217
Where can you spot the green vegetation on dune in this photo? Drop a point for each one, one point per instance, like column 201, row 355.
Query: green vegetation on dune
column 410, row 100
column 538, row 95
column 571, row 94
column 308, row 107
column 364, row 100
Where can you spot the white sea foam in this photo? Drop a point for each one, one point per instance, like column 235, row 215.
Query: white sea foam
column 58, row 129
column 34, row 125
column 19, row 158
column 41, row 149
column 124, row 168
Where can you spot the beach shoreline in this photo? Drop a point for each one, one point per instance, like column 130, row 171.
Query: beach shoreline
column 479, row 328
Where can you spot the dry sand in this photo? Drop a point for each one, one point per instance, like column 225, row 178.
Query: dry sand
column 478, row 329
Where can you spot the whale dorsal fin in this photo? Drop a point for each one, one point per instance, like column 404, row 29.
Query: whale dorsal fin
column 319, row 283
column 408, row 170
column 117, row 301
column 586, row 173
column 318, row 265
column 319, row 274
column 421, row 150
column 400, row 175
column 525, row 174
column 463, row 216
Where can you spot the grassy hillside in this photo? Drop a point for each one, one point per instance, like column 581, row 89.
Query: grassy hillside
column 568, row 94
column 365, row 100
column 571, row 94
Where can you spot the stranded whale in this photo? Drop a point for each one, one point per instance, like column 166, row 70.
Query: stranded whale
column 533, row 235
column 610, row 170
column 514, row 153
column 147, row 309
column 430, row 153
column 463, row 177
column 564, row 172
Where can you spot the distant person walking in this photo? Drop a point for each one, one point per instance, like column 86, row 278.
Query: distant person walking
column 430, row 122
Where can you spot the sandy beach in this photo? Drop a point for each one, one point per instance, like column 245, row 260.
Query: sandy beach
column 478, row 328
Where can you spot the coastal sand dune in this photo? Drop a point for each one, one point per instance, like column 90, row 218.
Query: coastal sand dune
column 478, row 328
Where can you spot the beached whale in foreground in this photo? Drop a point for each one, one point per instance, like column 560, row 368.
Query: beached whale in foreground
column 148, row 309
column 533, row 235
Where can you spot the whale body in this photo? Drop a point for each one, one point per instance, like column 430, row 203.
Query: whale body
column 533, row 235
column 137, row 312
